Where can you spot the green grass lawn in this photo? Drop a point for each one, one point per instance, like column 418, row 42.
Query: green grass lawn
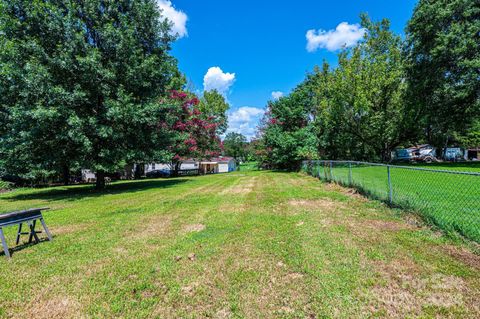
column 248, row 166
column 461, row 166
column 451, row 201
column 253, row 244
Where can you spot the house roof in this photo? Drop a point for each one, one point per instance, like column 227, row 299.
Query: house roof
column 189, row 161
column 223, row 159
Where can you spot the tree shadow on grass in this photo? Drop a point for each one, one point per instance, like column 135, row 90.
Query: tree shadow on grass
column 73, row 193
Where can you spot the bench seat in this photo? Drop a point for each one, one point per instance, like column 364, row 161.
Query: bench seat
column 16, row 217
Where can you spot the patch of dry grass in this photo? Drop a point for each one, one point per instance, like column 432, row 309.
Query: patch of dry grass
column 243, row 186
column 406, row 290
column 54, row 307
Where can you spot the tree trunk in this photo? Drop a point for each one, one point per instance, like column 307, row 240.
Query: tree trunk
column 66, row 175
column 139, row 170
column 100, row 183
column 177, row 168
column 386, row 154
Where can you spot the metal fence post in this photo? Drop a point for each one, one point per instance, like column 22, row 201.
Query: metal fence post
column 325, row 170
column 390, row 191
column 350, row 180
column 331, row 170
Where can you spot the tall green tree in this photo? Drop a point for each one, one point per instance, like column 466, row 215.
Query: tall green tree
column 443, row 55
column 214, row 105
column 235, row 145
column 288, row 132
column 195, row 135
column 80, row 83
column 353, row 111
column 366, row 104
column 471, row 138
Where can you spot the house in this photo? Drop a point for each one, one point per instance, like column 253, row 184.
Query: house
column 218, row 165
column 186, row 165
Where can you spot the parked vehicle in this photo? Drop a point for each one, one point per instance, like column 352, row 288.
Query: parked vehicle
column 158, row 173
column 454, row 154
column 416, row 154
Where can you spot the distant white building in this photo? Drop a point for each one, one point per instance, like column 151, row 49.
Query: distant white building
column 212, row 166
column 88, row 176
column 186, row 165
column 218, row 165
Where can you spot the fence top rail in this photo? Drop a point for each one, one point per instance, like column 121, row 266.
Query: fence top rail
column 401, row 167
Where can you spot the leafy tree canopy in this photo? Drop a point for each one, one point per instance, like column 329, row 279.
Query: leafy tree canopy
column 80, row 83
column 214, row 104
column 235, row 145
column 443, row 54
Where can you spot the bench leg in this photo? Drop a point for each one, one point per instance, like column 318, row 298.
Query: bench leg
column 4, row 243
column 33, row 233
column 46, row 229
column 19, row 233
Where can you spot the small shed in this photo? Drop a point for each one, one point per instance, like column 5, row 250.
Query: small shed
column 218, row 165
column 226, row 164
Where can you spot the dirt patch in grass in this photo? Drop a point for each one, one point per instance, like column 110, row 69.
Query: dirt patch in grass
column 294, row 276
column 263, row 284
column 351, row 192
column 194, row 228
column 298, row 181
column 321, row 204
column 95, row 267
column 244, row 186
column 223, row 314
column 154, row 227
column 466, row 256
column 406, row 291
column 189, row 289
column 68, row 229
column 383, row 225
column 45, row 307
column 413, row 220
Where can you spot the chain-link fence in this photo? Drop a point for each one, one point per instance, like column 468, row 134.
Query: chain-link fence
column 449, row 199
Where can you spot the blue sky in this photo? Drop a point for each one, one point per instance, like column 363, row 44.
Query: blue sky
column 250, row 49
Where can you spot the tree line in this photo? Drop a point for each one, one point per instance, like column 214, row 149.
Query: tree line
column 386, row 92
column 92, row 84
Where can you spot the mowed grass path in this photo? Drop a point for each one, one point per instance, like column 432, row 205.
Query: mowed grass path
column 240, row 245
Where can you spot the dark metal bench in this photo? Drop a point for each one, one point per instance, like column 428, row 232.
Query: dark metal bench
column 30, row 217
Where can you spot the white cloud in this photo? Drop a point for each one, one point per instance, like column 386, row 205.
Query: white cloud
column 245, row 120
column 216, row 79
column 176, row 17
column 345, row 35
column 276, row 95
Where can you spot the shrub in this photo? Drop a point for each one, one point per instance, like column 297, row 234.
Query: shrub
column 5, row 185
